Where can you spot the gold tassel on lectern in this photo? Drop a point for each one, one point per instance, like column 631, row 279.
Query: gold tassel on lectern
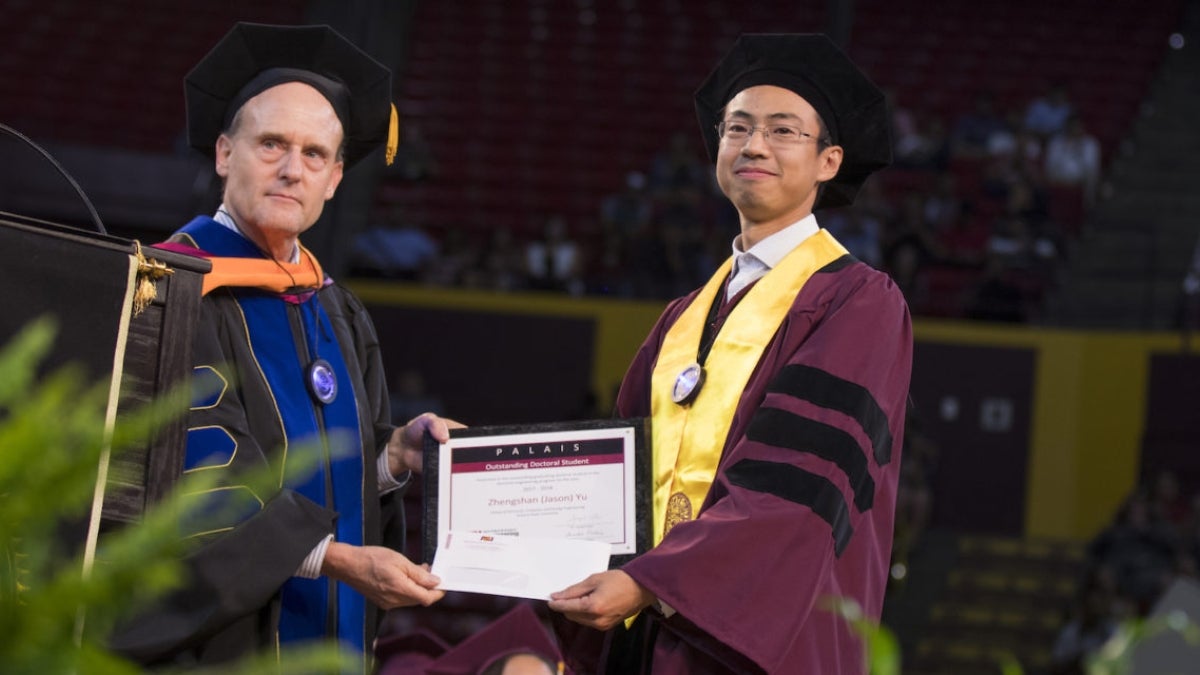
column 148, row 271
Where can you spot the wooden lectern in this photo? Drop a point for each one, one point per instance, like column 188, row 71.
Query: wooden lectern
column 89, row 283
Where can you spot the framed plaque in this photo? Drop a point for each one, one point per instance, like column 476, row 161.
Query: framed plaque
column 586, row 480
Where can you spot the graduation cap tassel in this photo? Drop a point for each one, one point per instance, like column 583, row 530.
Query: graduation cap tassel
column 148, row 271
column 393, row 138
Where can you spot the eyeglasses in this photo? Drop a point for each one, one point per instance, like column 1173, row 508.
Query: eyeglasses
column 775, row 134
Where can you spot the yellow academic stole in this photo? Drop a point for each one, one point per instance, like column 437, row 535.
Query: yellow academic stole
column 688, row 439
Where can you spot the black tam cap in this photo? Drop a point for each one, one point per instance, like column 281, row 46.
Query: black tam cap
column 851, row 106
column 253, row 57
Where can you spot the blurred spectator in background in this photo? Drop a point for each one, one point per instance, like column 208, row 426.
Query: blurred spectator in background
column 873, row 200
column 1047, row 114
column 1191, row 281
column 680, row 227
column 902, row 116
column 943, row 207
column 1019, row 259
column 1004, row 173
column 1011, row 243
column 965, row 241
column 937, row 142
column 995, row 296
column 630, row 209
column 974, row 129
column 414, row 157
column 1189, row 539
column 907, row 141
column 961, row 235
column 1015, row 142
column 1024, row 202
column 409, row 397
column 1073, row 159
column 1167, row 503
column 677, row 165
column 609, row 276
column 553, row 262
column 1140, row 549
column 502, row 265
column 910, row 245
column 1189, row 300
column 459, row 259
column 396, row 250
column 624, row 216
column 645, row 264
column 921, row 143
column 1091, row 624
column 859, row 231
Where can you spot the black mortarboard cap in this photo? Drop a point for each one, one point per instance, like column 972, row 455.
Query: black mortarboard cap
column 254, row 57
column 812, row 66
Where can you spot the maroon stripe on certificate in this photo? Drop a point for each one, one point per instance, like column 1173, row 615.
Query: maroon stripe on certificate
column 538, row 463
column 464, row 454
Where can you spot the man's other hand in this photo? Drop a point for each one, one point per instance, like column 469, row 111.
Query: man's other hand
column 404, row 448
column 602, row 600
column 385, row 577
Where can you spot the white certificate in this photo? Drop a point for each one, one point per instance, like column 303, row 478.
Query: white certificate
column 523, row 567
column 582, row 481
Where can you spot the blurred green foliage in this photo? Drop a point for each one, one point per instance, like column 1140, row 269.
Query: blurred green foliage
column 56, row 607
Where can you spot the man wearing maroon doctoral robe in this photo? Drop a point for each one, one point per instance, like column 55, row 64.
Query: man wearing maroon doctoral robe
column 777, row 396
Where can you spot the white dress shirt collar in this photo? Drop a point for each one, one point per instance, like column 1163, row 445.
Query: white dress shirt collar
column 749, row 266
column 222, row 216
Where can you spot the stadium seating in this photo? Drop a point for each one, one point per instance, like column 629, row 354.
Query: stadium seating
column 110, row 74
column 534, row 108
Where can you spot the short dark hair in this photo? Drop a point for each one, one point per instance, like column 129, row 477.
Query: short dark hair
column 823, row 139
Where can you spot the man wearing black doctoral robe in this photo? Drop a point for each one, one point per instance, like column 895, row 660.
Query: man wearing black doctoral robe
column 287, row 362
